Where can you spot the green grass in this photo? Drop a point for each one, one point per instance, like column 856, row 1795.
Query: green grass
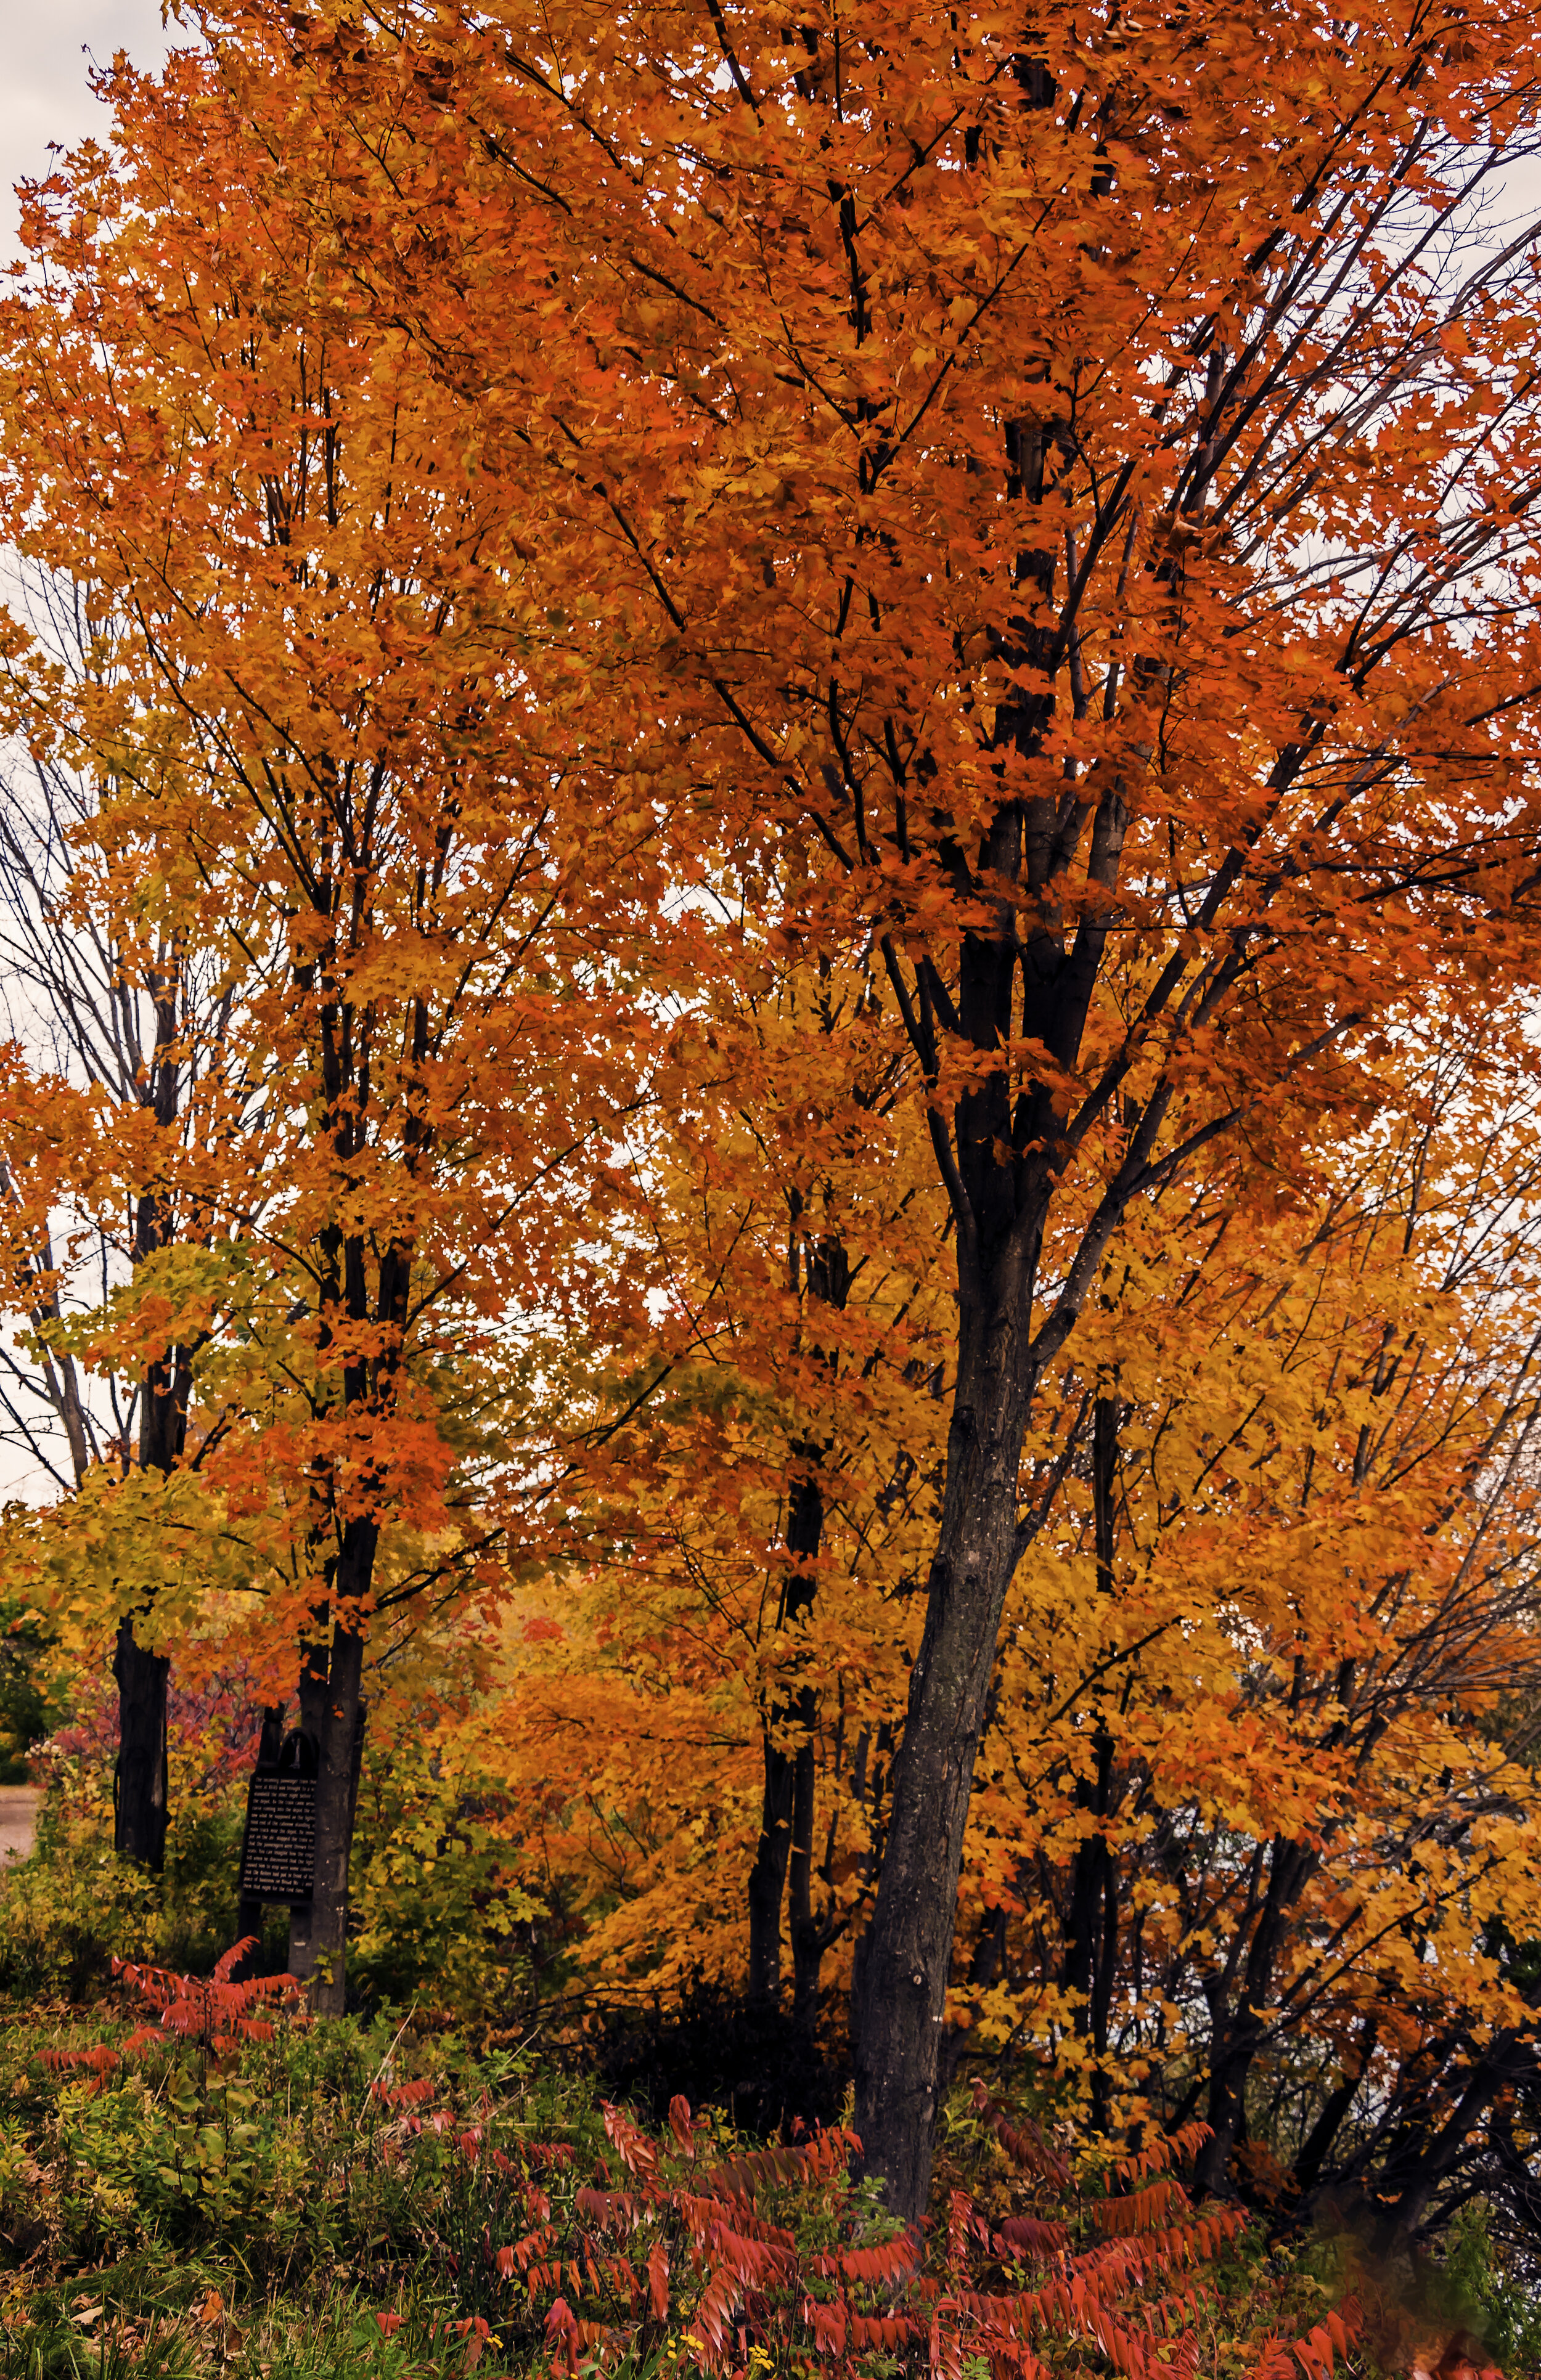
column 82, row 2335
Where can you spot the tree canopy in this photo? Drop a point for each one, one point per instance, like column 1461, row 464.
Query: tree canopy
column 851, row 705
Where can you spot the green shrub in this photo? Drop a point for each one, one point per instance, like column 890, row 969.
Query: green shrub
column 1488, row 2297
column 341, row 2198
column 437, row 1917
column 72, row 1908
column 31, row 1706
column 440, row 1915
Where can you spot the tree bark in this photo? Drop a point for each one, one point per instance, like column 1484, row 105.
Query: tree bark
column 809, row 1934
column 805, row 1531
column 903, row 1977
column 335, row 1801
column 767, row 1876
column 141, row 1794
column 1334, row 2109
column 1000, row 1154
column 1428, row 2152
column 791, row 1775
column 1237, row 2030
column 320, row 1955
column 314, row 1667
column 1091, row 1944
column 140, row 1786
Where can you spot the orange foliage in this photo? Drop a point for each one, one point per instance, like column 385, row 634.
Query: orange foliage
column 1025, row 509
column 768, row 645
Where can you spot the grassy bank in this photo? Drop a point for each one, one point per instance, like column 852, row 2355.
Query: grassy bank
column 311, row 2202
column 239, row 2193
column 370, row 2199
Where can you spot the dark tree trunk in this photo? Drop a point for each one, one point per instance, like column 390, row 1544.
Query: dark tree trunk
column 142, row 1788
column 1238, row 2015
column 337, row 1796
column 1091, row 1945
column 1091, row 1930
column 789, row 1776
column 1000, row 1155
column 989, row 1950
column 767, row 1876
column 321, row 1957
column 314, row 1670
column 1232, row 2051
column 810, row 1933
column 904, row 1969
column 805, row 1532
column 314, row 1667
column 1334, row 2110
column 139, row 1786
column 1426, row 2153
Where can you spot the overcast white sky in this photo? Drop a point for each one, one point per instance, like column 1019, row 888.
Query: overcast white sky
column 43, row 94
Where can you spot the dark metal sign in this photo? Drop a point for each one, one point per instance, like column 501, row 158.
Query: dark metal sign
column 278, row 1851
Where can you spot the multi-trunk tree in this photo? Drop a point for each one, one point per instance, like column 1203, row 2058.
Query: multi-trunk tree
column 1252, row 1836
column 1045, row 500
column 1065, row 485
column 317, row 765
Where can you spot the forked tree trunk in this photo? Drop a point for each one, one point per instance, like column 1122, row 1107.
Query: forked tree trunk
column 1334, row 2111
column 140, row 1785
column 1239, row 2009
column 1429, row 2145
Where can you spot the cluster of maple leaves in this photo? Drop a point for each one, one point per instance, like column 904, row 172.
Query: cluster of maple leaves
column 800, row 768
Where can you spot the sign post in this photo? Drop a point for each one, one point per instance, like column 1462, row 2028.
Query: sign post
column 278, row 1849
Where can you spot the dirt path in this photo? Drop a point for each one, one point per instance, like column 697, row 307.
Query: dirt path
column 18, row 1810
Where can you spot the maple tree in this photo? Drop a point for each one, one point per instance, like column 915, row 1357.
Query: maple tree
column 1251, row 1829
column 1280, row 1842
column 1042, row 507
column 1065, row 482
column 316, row 768
column 730, row 1639
column 789, row 1518
column 130, row 1023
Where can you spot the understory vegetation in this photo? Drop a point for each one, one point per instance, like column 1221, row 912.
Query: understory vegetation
column 367, row 2197
column 197, row 2179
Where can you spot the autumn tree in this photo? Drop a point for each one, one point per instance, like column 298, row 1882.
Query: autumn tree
column 1068, row 482
column 1275, row 1717
column 723, row 1668
column 134, row 1022
column 315, row 758
column 1251, row 1838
